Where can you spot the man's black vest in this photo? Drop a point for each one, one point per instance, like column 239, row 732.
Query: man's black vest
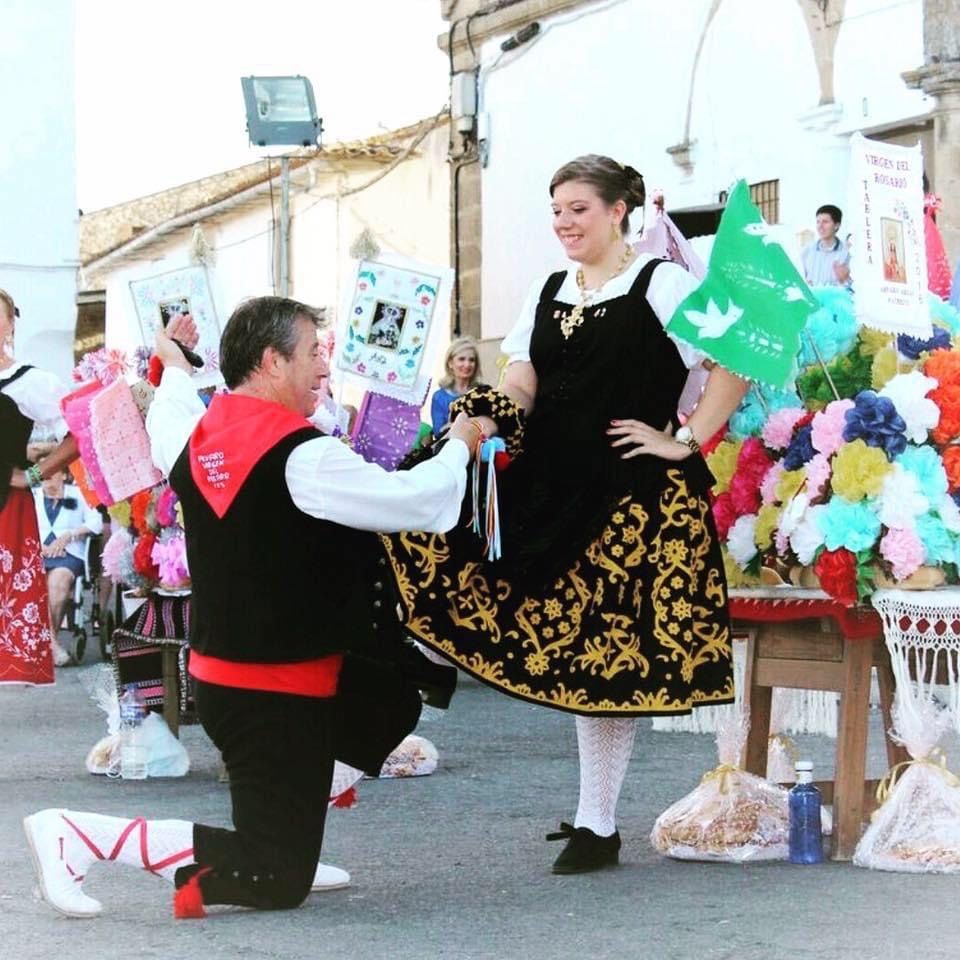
column 274, row 585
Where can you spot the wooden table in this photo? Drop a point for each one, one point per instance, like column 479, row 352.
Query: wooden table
column 803, row 639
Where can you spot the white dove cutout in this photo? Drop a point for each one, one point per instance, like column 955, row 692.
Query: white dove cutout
column 760, row 229
column 714, row 322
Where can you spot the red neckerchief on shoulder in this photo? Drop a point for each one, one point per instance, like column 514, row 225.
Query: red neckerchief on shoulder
column 231, row 439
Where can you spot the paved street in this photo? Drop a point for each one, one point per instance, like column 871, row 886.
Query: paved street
column 452, row 865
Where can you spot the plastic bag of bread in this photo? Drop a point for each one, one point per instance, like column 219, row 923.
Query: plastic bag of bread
column 916, row 829
column 731, row 816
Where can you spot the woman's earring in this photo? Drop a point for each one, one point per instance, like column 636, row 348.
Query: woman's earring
column 615, row 233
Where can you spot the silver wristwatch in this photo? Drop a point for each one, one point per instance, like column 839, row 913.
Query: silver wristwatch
column 685, row 436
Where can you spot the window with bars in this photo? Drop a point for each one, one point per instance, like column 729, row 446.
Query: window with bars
column 766, row 195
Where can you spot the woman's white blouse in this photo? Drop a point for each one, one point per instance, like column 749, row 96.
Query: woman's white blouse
column 669, row 286
column 37, row 395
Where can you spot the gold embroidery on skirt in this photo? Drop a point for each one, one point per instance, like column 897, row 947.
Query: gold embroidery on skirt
column 585, row 630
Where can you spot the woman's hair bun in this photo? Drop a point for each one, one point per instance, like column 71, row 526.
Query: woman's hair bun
column 636, row 189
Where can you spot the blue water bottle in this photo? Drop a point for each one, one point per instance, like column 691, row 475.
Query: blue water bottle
column 806, row 836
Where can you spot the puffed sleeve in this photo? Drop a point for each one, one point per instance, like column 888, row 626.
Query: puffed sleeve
column 38, row 398
column 669, row 286
column 516, row 344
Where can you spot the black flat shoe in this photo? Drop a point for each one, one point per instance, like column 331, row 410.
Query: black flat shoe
column 585, row 851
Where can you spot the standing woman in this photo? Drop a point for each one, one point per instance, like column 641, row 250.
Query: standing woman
column 610, row 601
column 462, row 373
column 27, row 395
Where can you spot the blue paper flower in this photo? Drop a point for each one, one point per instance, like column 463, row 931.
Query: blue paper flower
column 800, row 450
column 855, row 526
column 944, row 313
column 926, row 464
column 757, row 404
column 937, row 540
column 911, row 347
column 833, row 328
column 874, row 419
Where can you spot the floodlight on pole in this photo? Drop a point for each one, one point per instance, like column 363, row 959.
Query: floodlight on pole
column 281, row 111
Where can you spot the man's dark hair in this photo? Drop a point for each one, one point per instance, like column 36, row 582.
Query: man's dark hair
column 835, row 213
column 256, row 324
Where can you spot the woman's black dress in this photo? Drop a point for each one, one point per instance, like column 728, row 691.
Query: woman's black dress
column 610, row 599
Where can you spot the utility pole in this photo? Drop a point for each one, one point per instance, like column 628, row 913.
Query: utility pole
column 284, row 237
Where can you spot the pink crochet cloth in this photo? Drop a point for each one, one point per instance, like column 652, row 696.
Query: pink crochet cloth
column 113, row 442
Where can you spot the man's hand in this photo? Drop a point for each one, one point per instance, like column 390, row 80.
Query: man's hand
column 183, row 329
column 463, row 429
column 841, row 271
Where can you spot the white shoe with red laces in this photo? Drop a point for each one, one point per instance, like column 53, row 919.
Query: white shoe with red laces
column 61, row 861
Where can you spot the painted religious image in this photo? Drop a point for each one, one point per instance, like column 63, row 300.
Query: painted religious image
column 178, row 307
column 388, row 327
column 158, row 299
column 894, row 266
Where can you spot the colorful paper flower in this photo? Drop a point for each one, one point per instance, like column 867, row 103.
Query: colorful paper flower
column 723, row 463
column 828, row 426
column 166, row 507
column 900, row 501
column 143, row 561
column 768, row 519
column 837, row 572
column 925, row 462
column 937, row 542
column 818, row 472
column 807, row 538
column 875, row 420
column 908, row 393
column 740, row 540
column 800, row 450
column 778, row 430
column 858, row 470
column 854, row 526
column 904, row 552
column 170, row 557
column 789, row 484
column 724, row 514
column 770, row 482
column 912, row 347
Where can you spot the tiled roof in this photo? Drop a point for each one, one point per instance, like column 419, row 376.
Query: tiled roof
column 103, row 231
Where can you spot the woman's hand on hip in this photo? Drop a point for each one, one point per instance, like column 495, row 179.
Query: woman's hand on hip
column 638, row 438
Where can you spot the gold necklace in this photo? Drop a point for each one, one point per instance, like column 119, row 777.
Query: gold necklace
column 574, row 319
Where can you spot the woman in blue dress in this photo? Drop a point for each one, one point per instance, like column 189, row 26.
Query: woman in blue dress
column 462, row 374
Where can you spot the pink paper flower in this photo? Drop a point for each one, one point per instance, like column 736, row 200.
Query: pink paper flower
column 778, row 430
column 818, row 473
column 828, row 424
column 170, row 556
column 768, row 486
column 903, row 550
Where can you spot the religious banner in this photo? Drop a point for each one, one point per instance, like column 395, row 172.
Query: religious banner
column 158, row 299
column 748, row 313
column 888, row 258
column 384, row 337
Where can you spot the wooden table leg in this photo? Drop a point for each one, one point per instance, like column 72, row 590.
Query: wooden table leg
column 169, row 654
column 851, row 758
column 756, row 705
column 885, row 679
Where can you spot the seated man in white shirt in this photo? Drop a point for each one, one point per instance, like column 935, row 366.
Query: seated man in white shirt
column 65, row 522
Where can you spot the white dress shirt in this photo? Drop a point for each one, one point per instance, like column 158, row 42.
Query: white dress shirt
column 326, row 479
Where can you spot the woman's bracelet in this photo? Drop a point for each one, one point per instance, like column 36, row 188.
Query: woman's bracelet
column 34, row 475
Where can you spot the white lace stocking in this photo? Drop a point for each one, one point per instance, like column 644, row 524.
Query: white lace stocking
column 605, row 745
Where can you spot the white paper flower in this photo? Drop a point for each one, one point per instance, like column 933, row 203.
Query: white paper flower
column 900, row 501
column 740, row 541
column 793, row 513
column 949, row 513
column 808, row 538
column 908, row 391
